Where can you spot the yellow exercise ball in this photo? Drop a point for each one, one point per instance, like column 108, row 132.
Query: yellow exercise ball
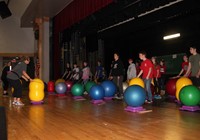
column 136, row 81
column 59, row 81
column 36, row 90
column 180, row 83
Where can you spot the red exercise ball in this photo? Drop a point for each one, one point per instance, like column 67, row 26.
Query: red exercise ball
column 171, row 86
column 50, row 87
column 69, row 85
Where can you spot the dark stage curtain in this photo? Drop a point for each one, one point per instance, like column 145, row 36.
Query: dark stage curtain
column 74, row 12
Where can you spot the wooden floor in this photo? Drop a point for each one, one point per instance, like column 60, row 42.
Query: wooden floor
column 65, row 119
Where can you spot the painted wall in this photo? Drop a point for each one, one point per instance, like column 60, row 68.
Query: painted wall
column 13, row 38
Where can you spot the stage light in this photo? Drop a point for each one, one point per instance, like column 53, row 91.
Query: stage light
column 171, row 36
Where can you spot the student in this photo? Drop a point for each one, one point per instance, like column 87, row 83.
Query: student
column 147, row 74
column 5, row 71
column 19, row 71
column 67, row 73
column 131, row 71
column 99, row 72
column 117, row 75
column 85, row 73
column 75, row 73
column 156, row 76
column 184, row 66
column 163, row 76
column 194, row 67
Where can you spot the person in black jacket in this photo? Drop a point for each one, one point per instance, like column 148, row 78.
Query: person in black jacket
column 5, row 71
column 117, row 75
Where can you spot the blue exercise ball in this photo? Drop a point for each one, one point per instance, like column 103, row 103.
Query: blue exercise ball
column 109, row 88
column 97, row 92
column 61, row 88
column 134, row 96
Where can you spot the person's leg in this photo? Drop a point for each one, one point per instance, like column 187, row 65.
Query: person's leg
column 5, row 86
column 120, row 82
column 148, row 89
column 18, row 92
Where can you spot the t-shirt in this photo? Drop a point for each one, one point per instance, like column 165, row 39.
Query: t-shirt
column 162, row 69
column 194, row 60
column 145, row 66
column 86, row 73
column 99, row 70
column 131, row 71
column 5, row 71
column 156, row 71
column 17, row 71
column 76, row 73
column 117, row 68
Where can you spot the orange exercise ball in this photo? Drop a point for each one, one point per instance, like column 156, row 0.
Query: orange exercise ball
column 136, row 81
column 36, row 90
column 182, row 82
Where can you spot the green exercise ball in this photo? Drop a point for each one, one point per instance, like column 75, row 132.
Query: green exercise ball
column 190, row 95
column 77, row 89
column 88, row 85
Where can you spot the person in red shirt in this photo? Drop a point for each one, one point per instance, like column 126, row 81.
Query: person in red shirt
column 156, row 76
column 162, row 78
column 184, row 66
column 146, row 70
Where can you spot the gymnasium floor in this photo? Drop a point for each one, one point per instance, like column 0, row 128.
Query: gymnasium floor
column 62, row 118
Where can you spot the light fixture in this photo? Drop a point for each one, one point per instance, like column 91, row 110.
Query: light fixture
column 171, row 36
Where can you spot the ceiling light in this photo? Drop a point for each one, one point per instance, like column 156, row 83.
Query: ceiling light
column 171, row 36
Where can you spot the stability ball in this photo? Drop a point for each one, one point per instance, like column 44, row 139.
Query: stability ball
column 190, row 95
column 134, row 96
column 109, row 88
column 171, row 87
column 69, row 85
column 125, row 85
column 59, row 81
column 88, row 85
column 77, row 89
column 181, row 82
column 50, row 86
column 136, row 81
column 36, row 90
column 61, row 88
column 97, row 92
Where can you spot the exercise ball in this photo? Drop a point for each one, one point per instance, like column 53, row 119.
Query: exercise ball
column 181, row 82
column 69, row 85
column 136, row 81
column 59, row 81
column 190, row 95
column 61, row 88
column 125, row 85
column 51, row 86
column 97, row 92
column 88, row 85
column 36, row 90
column 134, row 96
column 77, row 89
column 109, row 88
column 171, row 87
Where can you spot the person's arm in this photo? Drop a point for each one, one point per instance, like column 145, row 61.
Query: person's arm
column 140, row 73
column 26, row 76
column 180, row 73
column 188, row 70
column 198, row 74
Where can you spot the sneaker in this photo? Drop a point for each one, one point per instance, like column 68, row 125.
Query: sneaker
column 119, row 98
column 19, row 103
column 149, row 101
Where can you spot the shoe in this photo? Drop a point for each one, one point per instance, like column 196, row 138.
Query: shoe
column 149, row 101
column 119, row 98
column 19, row 103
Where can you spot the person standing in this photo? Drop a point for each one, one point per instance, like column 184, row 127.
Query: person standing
column 184, row 66
column 117, row 75
column 131, row 71
column 19, row 71
column 147, row 74
column 99, row 72
column 85, row 73
column 67, row 73
column 163, row 76
column 75, row 73
column 5, row 71
column 194, row 67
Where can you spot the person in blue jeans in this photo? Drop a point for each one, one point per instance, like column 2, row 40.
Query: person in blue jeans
column 146, row 70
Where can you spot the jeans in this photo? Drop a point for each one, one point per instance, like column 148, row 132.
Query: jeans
column 118, row 80
column 147, row 83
